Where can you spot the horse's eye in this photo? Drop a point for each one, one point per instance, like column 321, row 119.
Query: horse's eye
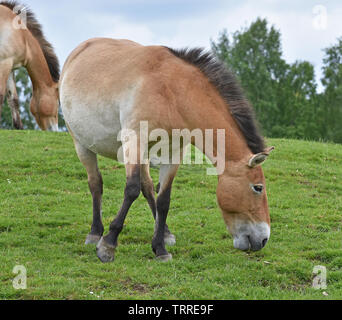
column 258, row 188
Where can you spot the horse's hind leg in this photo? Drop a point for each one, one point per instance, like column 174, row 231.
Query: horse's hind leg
column 148, row 192
column 89, row 160
column 13, row 102
column 167, row 175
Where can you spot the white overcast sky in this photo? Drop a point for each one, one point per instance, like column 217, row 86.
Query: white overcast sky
column 177, row 23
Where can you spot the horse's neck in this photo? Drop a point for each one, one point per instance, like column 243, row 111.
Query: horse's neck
column 37, row 67
column 219, row 118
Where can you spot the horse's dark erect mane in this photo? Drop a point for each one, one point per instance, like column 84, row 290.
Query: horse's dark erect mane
column 37, row 31
column 230, row 90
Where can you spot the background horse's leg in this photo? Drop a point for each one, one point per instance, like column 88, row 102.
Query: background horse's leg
column 2, row 99
column 13, row 101
column 89, row 160
column 167, row 175
column 5, row 70
column 147, row 188
column 107, row 245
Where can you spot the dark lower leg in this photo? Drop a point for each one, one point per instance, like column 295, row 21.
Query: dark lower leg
column 148, row 192
column 163, row 206
column 96, row 189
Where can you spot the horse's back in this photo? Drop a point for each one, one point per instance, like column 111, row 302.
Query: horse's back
column 110, row 85
column 114, row 58
column 97, row 49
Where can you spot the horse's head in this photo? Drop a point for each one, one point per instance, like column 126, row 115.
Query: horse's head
column 242, row 197
column 44, row 107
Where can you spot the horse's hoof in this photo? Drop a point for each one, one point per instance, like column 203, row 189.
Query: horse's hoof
column 104, row 251
column 165, row 258
column 92, row 239
column 170, row 239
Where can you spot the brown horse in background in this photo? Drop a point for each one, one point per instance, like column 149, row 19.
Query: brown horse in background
column 112, row 85
column 22, row 44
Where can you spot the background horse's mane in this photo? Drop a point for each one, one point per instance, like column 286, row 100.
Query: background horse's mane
column 36, row 29
column 228, row 87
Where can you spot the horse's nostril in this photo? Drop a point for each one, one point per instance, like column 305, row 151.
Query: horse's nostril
column 264, row 242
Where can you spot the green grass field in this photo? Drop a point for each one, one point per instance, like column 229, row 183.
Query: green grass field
column 45, row 215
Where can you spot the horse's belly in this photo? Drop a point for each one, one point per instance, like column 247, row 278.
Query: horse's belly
column 96, row 112
column 95, row 128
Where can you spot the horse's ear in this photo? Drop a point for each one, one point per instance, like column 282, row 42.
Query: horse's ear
column 260, row 158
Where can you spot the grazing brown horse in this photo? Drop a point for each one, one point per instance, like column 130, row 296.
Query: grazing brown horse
column 22, row 44
column 111, row 85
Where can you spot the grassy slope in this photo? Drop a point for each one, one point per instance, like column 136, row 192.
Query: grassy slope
column 45, row 215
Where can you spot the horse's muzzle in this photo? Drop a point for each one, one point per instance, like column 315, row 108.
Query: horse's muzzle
column 53, row 128
column 252, row 237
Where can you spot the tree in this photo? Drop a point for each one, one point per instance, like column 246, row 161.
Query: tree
column 283, row 95
column 332, row 96
column 254, row 54
column 297, row 103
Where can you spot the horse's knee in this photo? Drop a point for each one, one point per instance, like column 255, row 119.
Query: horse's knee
column 15, row 104
column 95, row 183
column 9, row 94
column 147, row 189
column 133, row 189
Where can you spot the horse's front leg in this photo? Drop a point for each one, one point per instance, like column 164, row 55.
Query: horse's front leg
column 167, row 175
column 148, row 192
column 107, row 245
column 13, row 102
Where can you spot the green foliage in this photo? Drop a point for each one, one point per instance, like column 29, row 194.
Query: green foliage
column 332, row 98
column 284, row 96
column 46, row 213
